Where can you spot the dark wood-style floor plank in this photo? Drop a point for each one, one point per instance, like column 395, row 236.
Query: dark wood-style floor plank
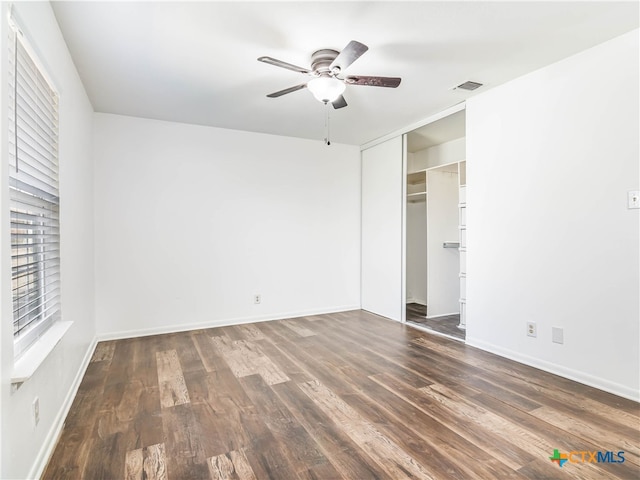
column 301, row 452
column 345, row 395
column 336, row 445
column 184, row 443
column 384, row 451
column 231, row 466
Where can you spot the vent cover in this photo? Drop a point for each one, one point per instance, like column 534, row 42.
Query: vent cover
column 469, row 85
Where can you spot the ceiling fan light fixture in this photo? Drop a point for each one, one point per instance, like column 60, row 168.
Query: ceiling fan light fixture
column 326, row 89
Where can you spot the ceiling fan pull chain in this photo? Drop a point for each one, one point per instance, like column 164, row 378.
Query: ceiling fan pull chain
column 327, row 140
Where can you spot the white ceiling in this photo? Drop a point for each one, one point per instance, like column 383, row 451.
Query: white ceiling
column 195, row 62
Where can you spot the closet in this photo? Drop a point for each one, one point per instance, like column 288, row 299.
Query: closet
column 435, row 228
column 413, row 243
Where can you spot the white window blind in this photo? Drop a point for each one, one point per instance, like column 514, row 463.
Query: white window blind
column 34, row 198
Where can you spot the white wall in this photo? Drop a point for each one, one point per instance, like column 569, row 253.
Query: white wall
column 192, row 221
column 25, row 447
column 551, row 157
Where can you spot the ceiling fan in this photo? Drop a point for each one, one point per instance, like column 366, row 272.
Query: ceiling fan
column 327, row 84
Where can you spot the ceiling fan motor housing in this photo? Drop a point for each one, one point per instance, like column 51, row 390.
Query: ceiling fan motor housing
column 321, row 60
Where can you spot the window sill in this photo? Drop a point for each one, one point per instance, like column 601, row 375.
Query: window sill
column 36, row 354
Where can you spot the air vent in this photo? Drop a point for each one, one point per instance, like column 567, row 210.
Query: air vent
column 469, row 85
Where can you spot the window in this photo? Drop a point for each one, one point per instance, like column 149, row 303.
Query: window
column 34, row 198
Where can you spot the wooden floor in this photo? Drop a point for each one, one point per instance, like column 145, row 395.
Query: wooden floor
column 446, row 325
column 348, row 395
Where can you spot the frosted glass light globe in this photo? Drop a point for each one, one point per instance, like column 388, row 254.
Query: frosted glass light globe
column 326, row 89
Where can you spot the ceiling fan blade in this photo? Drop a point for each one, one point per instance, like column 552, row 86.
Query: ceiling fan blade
column 339, row 102
column 391, row 82
column 287, row 90
column 348, row 55
column 280, row 63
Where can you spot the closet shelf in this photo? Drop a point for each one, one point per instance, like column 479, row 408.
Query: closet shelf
column 417, row 197
column 417, row 178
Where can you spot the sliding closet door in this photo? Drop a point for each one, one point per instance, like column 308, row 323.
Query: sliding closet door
column 382, row 212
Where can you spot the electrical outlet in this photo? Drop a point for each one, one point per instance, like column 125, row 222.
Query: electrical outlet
column 633, row 199
column 257, row 298
column 532, row 329
column 35, row 410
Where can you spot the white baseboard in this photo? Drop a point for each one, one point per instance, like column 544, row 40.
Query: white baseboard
column 416, row 300
column 224, row 322
column 51, row 439
column 575, row 375
column 443, row 315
